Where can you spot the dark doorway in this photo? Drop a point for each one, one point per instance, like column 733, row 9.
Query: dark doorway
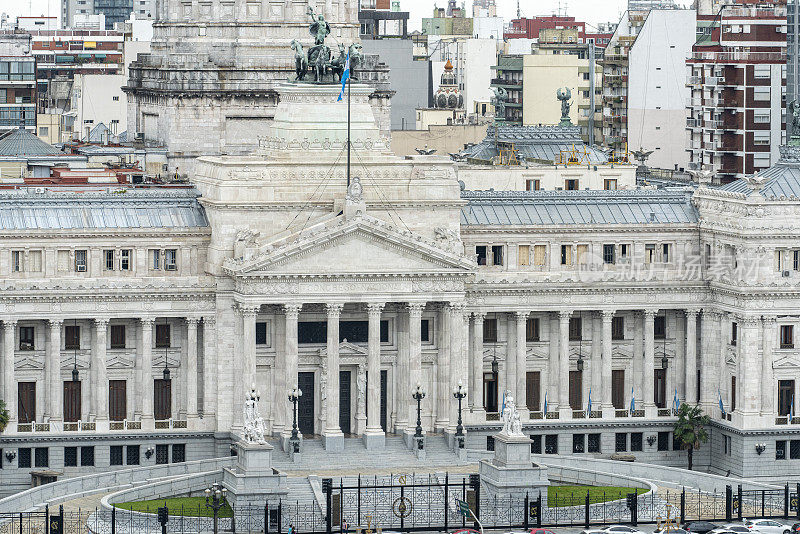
column 490, row 392
column 660, row 388
column 344, row 401
column 72, row 401
column 532, row 388
column 26, row 401
column 576, row 390
column 117, row 400
column 384, row 397
column 618, row 389
column 305, row 405
column 162, row 399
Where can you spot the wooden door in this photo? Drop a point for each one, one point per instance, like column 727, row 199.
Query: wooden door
column 162, row 399
column 117, row 400
column 490, row 392
column 26, row 401
column 660, row 388
column 576, row 390
column 384, row 397
column 532, row 388
column 618, row 389
column 72, row 401
column 344, row 401
column 305, row 405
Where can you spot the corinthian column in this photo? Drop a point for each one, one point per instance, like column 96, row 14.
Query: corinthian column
column 768, row 346
column 749, row 381
column 475, row 393
column 146, row 380
column 522, row 364
column 415, row 355
column 649, row 360
column 690, row 391
column 457, row 359
column 332, row 436
column 289, row 379
column 247, row 360
column 607, row 318
column 374, row 437
column 443, row 371
column 100, row 384
column 191, row 368
column 9, row 377
column 563, row 362
column 209, row 363
column 54, row 370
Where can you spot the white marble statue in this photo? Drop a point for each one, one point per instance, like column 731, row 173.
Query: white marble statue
column 511, row 423
column 253, row 423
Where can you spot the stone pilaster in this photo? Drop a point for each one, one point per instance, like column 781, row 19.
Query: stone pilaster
column 607, row 318
column 191, row 368
column 649, row 362
column 9, row 374
column 100, row 382
column 522, row 364
column 510, row 370
column 553, row 364
column 709, row 337
column 283, row 384
column 749, row 380
column 443, row 372
column 209, row 372
column 402, row 402
column 53, row 367
column 374, row 437
column 332, row 435
column 563, row 364
column 146, row 374
column 457, row 358
column 247, row 359
column 768, row 336
column 475, row 394
column 596, row 363
column 690, row 377
column 415, row 358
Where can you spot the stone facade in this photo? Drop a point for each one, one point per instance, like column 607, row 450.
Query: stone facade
column 280, row 274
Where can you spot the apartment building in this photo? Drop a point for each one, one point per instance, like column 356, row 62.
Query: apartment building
column 17, row 83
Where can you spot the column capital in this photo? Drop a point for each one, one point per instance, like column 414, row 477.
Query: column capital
column 564, row 315
column 247, row 310
column 334, row 309
column 769, row 320
column 147, row 321
column 374, row 309
column 650, row 313
column 479, row 315
column 521, row 315
column 607, row 315
column 10, row 322
column 456, row 306
column 712, row 314
column 210, row 320
column 101, row 322
column 415, row 309
column 192, row 321
column 56, row 322
column 691, row 313
column 292, row 310
column 749, row 321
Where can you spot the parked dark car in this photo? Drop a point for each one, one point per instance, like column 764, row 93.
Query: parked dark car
column 699, row 527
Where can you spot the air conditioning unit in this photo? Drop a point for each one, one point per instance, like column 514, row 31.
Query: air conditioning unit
column 39, row 190
column 785, row 274
column 139, row 136
column 80, row 268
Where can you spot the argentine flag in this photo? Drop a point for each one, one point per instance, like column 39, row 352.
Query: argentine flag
column 721, row 406
column 545, row 404
column 791, row 409
column 675, row 402
column 589, row 404
column 633, row 403
column 345, row 76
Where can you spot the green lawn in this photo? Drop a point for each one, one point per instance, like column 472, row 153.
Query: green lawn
column 185, row 506
column 558, row 496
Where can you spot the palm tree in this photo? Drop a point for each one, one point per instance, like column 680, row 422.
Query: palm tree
column 690, row 429
column 3, row 415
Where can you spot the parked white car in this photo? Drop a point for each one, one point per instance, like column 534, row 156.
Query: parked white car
column 613, row 529
column 767, row 526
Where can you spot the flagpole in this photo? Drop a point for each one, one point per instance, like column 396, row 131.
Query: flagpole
column 348, row 132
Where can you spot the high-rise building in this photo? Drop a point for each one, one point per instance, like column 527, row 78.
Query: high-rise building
column 792, row 54
column 736, row 75
column 114, row 10
column 17, row 83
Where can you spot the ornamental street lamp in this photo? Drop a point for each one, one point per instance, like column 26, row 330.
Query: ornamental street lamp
column 459, row 392
column 215, row 499
column 294, row 396
column 418, row 393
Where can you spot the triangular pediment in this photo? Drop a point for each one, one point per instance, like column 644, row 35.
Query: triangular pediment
column 29, row 363
column 787, row 362
column 537, row 353
column 359, row 245
column 347, row 349
column 118, row 361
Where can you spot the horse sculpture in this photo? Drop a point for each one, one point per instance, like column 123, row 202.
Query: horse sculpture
column 300, row 60
column 319, row 58
column 355, row 58
column 337, row 63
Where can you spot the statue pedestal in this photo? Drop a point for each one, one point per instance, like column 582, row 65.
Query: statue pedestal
column 511, row 473
column 253, row 480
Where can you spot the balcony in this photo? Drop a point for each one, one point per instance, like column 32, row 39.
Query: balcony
column 694, row 123
column 170, row 424
column 506, row 83
column 713, row 124
column 694, row 80
column 739, row 57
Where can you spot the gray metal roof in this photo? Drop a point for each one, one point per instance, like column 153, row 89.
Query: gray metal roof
column 21, row 142
column 535, row 143
column 32, row 210
column 577, row 207
column 780, row 180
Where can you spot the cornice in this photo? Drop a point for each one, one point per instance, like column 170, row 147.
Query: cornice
column 27, row 438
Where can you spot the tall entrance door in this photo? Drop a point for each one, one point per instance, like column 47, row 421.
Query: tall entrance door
column 660, row 388
column 117, row 400
column 162, row 399
column 490, row 392
column 344, row 401
column 384, row 397
column 305, row 405
column 72, row 401
column 26, row 401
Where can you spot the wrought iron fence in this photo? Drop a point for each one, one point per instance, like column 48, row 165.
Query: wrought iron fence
column 421, row 504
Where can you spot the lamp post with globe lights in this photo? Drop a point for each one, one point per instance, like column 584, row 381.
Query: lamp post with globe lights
column 294, row 397
column 418, row 393
column 460, row 393
column 215, row 499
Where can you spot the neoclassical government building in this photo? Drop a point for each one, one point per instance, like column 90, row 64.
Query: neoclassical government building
column 135, row 320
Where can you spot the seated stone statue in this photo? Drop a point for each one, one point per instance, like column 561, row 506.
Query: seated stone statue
column 253, row 428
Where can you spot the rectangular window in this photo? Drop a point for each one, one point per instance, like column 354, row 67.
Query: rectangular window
column 608, row 254
column 162, row 454
column 787, row 336
column 539, row 255
column 171, row 259
column 532, row 388
column 87, row 456
column 72, row 337
column 536, row 444
column 109, row 256
column 660, row 327
column 582, row 255
column 489, row 443
column 162, row 336
column 115, row 455
column 490, row 331
column 125, row 260
column 551, row 444
column 425, row 330
column 575, row 329
column 593, row 443
column 261, row 333
column 132, row 455
column 480, row 252
column 41, row 457
column 610, row 184
column 650, row 253
column 618, row 389
column 618, row 328
column 16, row 261
column 117, row 400
column 660, row 388
column 35, row 261
column 624, row 253
column 155, row 256
column 576, row 390
column 796, row 260
column 532, row 185
column 571, row 185
column 665, row 255
column 178, row 453
column 26, row 401
column 794, row 449
column 578, row 443
column 566, row 254
column 532, row 329
column 80, row 261
column 733, row 393
column 734, row 332
column 780, row 450
column 497, row 254
column 636, row 441
column 785, row 396
column 70, row 456
column 524, row 255
column 117, row 336
column 24, row 459
column 72, row 400
column 621, row 442
column 761, row 93
column 26, row 338
column 663, row 441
